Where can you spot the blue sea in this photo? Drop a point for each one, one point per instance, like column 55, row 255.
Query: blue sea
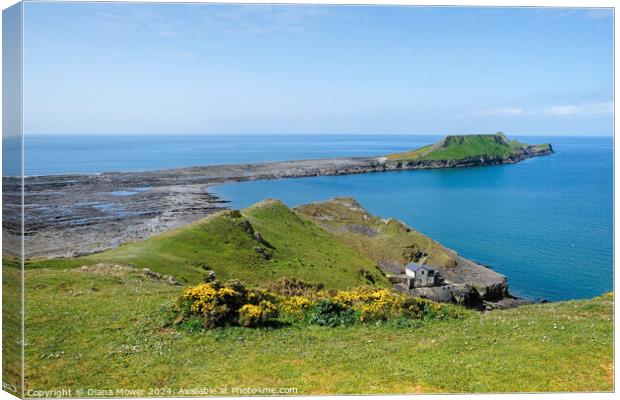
column 65, row 154
column 546, row 223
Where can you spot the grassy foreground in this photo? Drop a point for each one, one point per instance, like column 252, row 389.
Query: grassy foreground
column 106, row 331
column 11, row 327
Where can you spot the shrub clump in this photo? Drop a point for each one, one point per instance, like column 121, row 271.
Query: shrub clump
column 231, row 303
column 371, row 304
column 294, row 306
column 327, row 312
column 294, row 301
column 251, row 315
column 382, row 304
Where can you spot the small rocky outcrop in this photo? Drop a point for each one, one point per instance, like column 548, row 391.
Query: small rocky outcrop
column 441, row 294
column 458, row 293
column 209, row 276
column 259, row 238
column 490, row 285
column 507, row 302
column 169, row 279
column 263, row 252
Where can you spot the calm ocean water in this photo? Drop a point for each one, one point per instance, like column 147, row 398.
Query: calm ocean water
column 62, row 154
column 546, row 223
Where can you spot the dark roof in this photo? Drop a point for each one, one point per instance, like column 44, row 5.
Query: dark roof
column 416, row 267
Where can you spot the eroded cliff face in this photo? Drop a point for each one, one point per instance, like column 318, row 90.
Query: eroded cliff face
column 392, row 245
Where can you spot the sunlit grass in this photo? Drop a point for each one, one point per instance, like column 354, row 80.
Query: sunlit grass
column 99, row 331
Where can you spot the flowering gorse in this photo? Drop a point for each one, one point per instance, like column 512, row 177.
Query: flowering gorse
column 220, row 304
column 251, row 315
column 294, row 305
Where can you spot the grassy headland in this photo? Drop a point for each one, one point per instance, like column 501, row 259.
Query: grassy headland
column 392, row 244
column 463, row 147
column 258, row 245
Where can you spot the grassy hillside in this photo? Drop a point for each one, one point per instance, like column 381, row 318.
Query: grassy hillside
column 101, row 331
column 460, row 147
column 376, row 238
column 227, row 243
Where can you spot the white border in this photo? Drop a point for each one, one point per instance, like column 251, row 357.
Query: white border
column 484, row 3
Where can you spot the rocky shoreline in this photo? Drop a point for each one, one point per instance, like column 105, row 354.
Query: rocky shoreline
column 74, row 215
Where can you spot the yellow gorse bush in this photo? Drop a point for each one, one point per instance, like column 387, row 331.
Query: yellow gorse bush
column 220, row 304
column 418, row 308
column 294, row 305
column 231, row 303
column 371, row 303
column 202, row 297
column 251, row 315
column 251, row 310
column 226, row 291
column 365, row 295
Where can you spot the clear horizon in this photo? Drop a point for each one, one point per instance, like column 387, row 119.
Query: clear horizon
column 300, row 69
column 611, row 135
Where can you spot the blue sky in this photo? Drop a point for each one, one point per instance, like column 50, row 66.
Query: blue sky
column 192, row 68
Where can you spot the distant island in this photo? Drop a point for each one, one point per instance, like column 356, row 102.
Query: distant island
column 470, row 150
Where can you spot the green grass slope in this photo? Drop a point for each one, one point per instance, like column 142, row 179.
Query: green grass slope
column 11, row 327
column 226, row 243
column 378, row 239
column 94, row 330
column 459, row 147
